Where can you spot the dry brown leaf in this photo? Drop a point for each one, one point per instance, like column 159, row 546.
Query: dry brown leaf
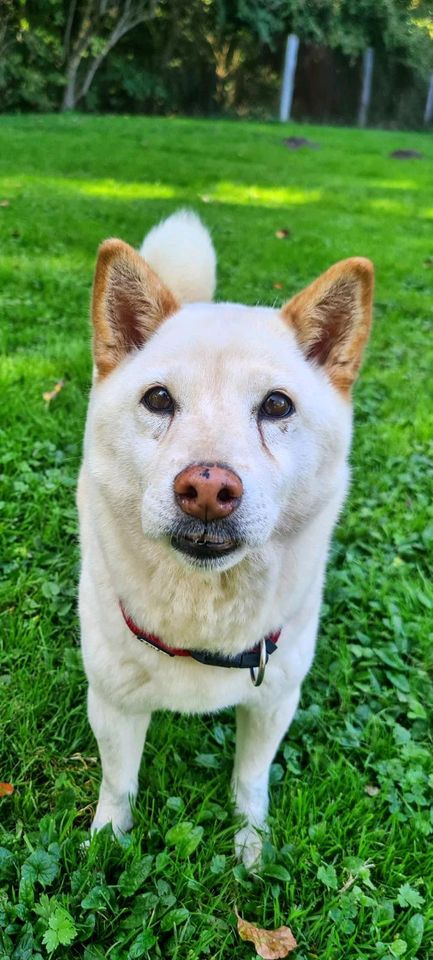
column 6, row 789
column 371, row 790
column 5, row 203
column 50, row 394
column 278, row 286
column 349, row 883
column 85, row 761
column 282, row 234
column 269, row 944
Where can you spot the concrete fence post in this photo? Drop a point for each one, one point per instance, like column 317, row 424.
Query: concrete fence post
column 367, row 77
column 288, row 84
column 428, row 112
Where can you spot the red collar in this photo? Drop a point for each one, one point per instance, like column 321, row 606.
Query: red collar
column 257, row 657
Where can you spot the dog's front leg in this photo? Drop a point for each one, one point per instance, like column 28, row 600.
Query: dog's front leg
column 120, row 740
column 259, row 730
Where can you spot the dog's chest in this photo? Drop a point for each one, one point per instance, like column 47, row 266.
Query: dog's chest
column 225, row 618
column 136, row 676
column 227, row 614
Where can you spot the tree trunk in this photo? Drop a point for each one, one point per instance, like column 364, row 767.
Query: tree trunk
column 69, row 98
column 73, row 57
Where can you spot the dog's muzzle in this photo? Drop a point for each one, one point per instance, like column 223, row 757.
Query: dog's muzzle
column 204, row 546
column 208, row 495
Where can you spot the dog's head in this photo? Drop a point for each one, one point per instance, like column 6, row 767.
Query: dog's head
column 216, row 427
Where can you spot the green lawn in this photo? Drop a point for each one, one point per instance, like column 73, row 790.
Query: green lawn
column 350, row 865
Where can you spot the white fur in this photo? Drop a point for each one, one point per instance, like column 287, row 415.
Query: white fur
column 218, row 361
column 180, row 251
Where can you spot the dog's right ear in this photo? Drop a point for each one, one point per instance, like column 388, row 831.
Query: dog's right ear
column 129, row 302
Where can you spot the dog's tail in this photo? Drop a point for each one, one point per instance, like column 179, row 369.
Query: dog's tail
column 181, row 252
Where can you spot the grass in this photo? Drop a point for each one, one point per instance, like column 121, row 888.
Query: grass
column 350, row 862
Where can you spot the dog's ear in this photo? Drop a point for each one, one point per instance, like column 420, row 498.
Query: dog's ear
column 129, row 302
column 332, row 317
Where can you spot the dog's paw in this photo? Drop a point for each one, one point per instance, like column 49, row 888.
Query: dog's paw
column 248, row 847
column 119, row 817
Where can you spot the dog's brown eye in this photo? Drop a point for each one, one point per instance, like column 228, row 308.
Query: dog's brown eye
column 158, row 400
column 276, row 406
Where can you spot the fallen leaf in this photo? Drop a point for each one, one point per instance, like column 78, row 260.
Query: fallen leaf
column 85, row 761
column 5, row 203
column 282, row 234
column 349, row 883
column 50, row 394
column 371, row 790
column 278, row 286
column 6, row 789
column 269, row 944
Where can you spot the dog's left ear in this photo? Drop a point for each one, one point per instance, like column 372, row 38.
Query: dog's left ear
column 332, row 318
column 129, row 302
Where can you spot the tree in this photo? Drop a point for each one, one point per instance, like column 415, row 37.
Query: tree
column 201, row 56
column 93, row 28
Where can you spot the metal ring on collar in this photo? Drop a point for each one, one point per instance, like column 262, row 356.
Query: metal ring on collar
column 257, row 678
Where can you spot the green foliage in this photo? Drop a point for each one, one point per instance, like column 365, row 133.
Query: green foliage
column 40, row 867
column 208, row 56
column 61, row 930
column 30, row 55
column 328, row 876
column 185, row 837
column 408, row 897
column 134, row 877
column 349, row 860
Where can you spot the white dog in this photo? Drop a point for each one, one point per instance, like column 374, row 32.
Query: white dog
column 215, row 467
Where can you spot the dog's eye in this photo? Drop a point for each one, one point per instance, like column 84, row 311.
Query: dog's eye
column 276, row 406
column 158, row 400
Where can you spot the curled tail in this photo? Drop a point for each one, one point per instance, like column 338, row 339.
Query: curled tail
column 181, row 252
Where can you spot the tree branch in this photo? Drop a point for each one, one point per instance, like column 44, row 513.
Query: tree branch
column 131, row 17
column 68, row 29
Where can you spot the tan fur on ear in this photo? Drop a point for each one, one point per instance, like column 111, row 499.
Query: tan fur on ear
column 129, row 302
column 332, row 319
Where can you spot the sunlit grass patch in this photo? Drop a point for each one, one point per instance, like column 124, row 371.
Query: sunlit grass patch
column 388, row 205
column 88, row 187
column 263, row 196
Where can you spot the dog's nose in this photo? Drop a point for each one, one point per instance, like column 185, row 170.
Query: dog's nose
column 208, row 491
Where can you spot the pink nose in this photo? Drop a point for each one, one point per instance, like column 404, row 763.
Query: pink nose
column 208, row 491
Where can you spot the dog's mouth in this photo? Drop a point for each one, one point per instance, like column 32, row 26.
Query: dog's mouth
column 203, row 546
